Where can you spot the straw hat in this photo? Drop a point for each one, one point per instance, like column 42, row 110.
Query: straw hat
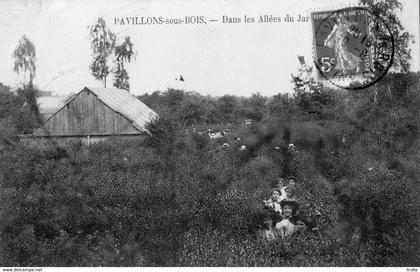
column 264, row 213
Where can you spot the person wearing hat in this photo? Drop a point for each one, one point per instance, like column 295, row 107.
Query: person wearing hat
column 300, row 226
column 306, row 225
column 267, row 232
column 303, row 223
column 285, row 226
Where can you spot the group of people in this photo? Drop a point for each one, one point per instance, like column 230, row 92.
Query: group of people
column 281, row 217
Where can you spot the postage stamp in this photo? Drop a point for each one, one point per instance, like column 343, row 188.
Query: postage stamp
column 353, row 48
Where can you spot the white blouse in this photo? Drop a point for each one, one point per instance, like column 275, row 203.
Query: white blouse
column 285, row 227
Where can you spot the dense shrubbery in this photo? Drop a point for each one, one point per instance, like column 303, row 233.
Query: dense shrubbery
column 18, row 112
column 181, row 199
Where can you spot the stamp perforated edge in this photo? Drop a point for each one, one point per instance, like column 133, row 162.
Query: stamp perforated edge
column 330, row 8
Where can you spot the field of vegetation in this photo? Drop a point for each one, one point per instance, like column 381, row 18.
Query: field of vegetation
column 180, row 199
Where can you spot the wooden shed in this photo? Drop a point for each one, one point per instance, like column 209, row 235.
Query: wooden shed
column 97, row 113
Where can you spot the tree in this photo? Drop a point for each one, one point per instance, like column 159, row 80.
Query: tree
column 174, row 99
column 191, row 112
column 387, row 10
column 254, row 107
column 211, row 113
column 28, row 115
column 102, row 44
column 123, row 53
column 228, row 107
column 151, row 100
column 306, row 88
column 25, row 56
column 193, row 109
column 280, row 105
column 19, row 112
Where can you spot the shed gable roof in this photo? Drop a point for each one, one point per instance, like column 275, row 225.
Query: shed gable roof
column 122, row 102
column 129, row 106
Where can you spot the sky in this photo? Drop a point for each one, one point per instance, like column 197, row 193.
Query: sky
column 214, row 58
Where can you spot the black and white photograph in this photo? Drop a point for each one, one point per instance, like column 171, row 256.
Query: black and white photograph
column 209, row 134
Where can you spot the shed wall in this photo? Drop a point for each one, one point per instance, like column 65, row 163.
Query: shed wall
column 86, row 115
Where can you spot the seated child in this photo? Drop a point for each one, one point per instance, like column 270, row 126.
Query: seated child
column 292, row 180
column 290, row 192
column 287, row 192
column 280, row 184
column 286, row 226
column 274, row 201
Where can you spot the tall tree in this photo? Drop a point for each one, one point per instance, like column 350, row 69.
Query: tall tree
column 124, row 53
column 102, row 44
column 255, row 107
column 25, row 56
column 228, row 108
column 19, row 112
column 280, row 105
column 387, row 9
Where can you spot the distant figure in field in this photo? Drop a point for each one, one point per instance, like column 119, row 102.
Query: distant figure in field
column 215, row 135
column 225, row 145
column 291, row 148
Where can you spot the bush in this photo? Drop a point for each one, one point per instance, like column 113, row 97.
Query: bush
column 177, row 199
